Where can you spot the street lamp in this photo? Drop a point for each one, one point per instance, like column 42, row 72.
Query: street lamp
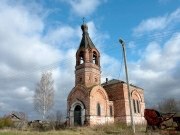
column 127, row 80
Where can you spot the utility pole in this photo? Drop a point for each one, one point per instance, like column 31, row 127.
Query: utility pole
column 127, row 80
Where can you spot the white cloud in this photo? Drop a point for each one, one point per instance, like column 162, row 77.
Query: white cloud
column 26, row 50
column 20, row 39
column 158, row 70
column 110, row 67
column 131, row 45
column 84, row 7
column 97, row 37
column 24, row 53
column 59, row 36
column 17, row 19
column 157, row 23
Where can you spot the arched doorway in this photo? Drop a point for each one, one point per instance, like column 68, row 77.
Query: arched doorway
column 77, row 115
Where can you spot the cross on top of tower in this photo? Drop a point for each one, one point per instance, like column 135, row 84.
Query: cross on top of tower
column 83, row 19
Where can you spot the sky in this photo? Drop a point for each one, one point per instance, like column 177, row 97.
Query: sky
column 43, row 35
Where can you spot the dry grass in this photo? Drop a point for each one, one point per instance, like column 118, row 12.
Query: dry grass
column 107, row 129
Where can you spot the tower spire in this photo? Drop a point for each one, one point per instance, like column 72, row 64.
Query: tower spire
column 88, row 69
column 86, row 41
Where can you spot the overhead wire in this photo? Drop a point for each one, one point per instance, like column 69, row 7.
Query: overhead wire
column 20, row 76
column 68, row 61
column 30, row 73
column 151, row 37
column 120, row 67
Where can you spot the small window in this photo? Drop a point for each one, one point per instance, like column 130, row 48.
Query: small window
column 138, row 109
column 80, row 79
column 134, row 105
column 98, row 109
column 96, row 80
column 111, row 111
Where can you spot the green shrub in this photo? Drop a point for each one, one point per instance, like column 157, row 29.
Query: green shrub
column 5, row 122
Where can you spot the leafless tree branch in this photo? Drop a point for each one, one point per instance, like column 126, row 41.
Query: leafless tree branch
column 44, row 95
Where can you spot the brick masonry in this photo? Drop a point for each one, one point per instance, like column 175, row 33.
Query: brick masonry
column 92, row 103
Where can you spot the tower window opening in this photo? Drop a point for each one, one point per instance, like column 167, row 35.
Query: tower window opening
column 98, row 109
column 81, row 55
column 95, row 61
column 80, row 79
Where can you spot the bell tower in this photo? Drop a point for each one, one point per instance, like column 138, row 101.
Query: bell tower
column 87, row 69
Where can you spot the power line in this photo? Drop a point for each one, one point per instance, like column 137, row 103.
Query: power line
column 68, row 61
column 20, row 76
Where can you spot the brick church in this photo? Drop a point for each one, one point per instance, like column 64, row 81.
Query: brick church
column 92, row 103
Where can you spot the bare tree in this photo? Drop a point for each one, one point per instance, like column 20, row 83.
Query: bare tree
column 168, row 105
column 44, row 95
column 59, row 119
column 51, row 119
column 56, row 120
column 23, row 116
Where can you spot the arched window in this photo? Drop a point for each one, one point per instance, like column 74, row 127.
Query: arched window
column 136, row 100
column 111, row 111
column 95, row 61
column 134, row 105
column 81, row 55
column 98, row 109
column 138, row 109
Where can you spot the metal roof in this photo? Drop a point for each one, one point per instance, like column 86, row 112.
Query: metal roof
column 86, row 41
column 114, row 81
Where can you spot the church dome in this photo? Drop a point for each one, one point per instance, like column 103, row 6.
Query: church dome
column 84, row 27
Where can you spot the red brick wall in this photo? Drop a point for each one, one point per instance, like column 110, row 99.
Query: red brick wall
column 88, row 71
column 119, row 94
column 96, row 95
column 99, row 95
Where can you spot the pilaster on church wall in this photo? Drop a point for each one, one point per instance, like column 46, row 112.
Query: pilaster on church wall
column 126, row 100
column 142, row 108
column 125, row 89
column 141, row 92
column 87, row 57
column 68, row 115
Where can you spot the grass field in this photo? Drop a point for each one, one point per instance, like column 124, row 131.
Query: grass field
column 111, row 129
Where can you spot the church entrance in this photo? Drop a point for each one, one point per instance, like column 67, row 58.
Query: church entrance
column 77, row 115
